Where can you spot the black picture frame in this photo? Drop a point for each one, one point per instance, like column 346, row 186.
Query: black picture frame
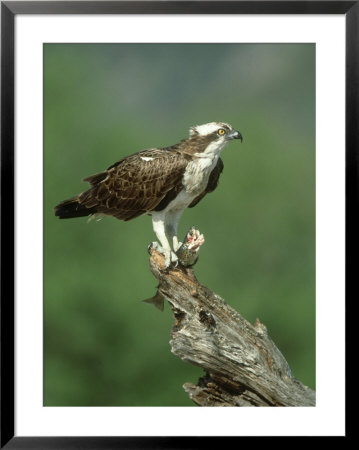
column 9, row 10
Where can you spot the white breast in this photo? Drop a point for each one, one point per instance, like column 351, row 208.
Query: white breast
column 195, row 178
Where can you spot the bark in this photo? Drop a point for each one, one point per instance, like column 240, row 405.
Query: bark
column 242, row 365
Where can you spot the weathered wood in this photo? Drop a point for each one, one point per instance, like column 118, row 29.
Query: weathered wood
column 242, row 365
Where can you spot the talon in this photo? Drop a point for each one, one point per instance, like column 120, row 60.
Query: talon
column 171, row 260
column 155, row 246
column 174, row 260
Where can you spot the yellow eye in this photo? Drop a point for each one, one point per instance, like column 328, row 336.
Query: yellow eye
column 221, row 131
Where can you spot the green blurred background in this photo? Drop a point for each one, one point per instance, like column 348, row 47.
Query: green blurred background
column 102, row 345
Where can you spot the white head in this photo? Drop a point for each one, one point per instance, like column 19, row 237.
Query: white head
column 211, row 138
column 219, row 131
column 216, row 133
column 206, row 128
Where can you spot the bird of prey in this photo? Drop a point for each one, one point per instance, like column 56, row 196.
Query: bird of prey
column 161, row 182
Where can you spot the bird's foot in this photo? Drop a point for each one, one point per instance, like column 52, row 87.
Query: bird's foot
column 171, row 259
column 155, row 246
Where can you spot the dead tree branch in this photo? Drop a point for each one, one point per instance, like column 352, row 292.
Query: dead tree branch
column 242, row 365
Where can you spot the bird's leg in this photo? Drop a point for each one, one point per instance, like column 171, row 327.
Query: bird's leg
column 159, row 229
column 171, row 225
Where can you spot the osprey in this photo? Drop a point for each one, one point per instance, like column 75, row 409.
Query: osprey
column 161, row 182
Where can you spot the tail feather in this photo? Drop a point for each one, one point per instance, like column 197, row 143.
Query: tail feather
column 71, row 208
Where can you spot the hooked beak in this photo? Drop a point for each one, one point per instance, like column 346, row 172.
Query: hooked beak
column 235, row 135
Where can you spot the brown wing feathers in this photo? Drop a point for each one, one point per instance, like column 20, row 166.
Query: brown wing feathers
column 131, row 187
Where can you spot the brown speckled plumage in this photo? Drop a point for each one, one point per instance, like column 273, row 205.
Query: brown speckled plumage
column 134, row 186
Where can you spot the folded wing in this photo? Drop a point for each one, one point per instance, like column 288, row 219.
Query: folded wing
column 135, row 185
